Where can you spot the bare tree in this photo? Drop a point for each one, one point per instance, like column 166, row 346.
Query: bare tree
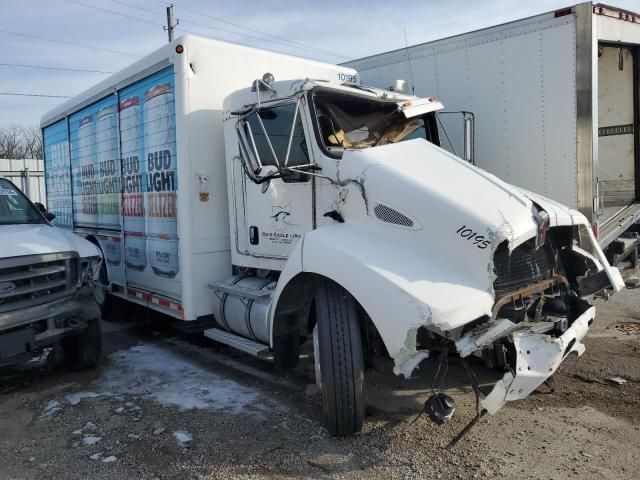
column 19, row 141
column 32, row 139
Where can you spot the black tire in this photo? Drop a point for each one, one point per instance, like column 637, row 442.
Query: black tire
column 103, row 298
column 341, row 359
column 111, row 307
column 83, row 350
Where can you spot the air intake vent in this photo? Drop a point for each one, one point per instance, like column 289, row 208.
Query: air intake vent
column 390, row 215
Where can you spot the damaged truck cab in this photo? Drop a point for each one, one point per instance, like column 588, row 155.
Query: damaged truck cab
column 353, row 229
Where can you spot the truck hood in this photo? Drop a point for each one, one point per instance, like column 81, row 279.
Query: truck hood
column 465, row 190
column 19, row 240
column 433, row 205
column 457, row 210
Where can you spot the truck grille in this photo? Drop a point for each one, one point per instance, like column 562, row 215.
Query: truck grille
column 36, row 279
column 524, row 266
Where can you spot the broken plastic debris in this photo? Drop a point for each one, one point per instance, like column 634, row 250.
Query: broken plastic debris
column 618, row 380
column 483, row 336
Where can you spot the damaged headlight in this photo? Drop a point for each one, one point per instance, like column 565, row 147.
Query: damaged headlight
column 89, row 271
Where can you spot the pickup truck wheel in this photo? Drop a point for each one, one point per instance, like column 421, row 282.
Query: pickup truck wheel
column 103, row 298
column 83, row 350
column 341, row 362
column 111, row 307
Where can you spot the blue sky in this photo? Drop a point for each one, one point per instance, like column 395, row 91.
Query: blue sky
column 323, row 30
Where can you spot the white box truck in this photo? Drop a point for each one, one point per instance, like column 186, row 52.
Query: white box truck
column 284, row 202
column 555, row 102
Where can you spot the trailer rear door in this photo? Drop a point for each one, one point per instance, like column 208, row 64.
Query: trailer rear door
column 617, row 170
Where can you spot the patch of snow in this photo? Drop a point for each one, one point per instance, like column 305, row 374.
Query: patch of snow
column 77, row 432
column 154, row 373
column 158, row 431
column 133, row 436
column 96, row 456
column 119, row 409
column 51, row 408
column 183, row 437
column 109, row 459
column 91, row 440
column 132, row 406
column 74, row 398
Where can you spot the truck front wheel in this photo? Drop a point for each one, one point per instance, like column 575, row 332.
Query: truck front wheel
column 341, row 363
column 83, row 350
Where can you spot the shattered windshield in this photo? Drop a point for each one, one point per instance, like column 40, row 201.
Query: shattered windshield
column 14, row 206
column 350, row 121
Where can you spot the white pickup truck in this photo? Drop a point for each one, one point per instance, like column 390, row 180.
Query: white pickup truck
column 45, row 275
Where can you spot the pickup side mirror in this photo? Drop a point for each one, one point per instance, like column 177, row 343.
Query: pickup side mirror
column 48, row 215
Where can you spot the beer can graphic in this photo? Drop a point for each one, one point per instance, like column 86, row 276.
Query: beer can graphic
column 108, row 170
column 132, row 184
column 87, row 202
column 135, row 251
column 160, row 205
column 112, row 252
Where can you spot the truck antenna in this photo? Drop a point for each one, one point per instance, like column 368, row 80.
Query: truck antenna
column 406, row 46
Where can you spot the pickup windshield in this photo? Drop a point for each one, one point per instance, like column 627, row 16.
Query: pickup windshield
column 15, row 208
column 352, row 121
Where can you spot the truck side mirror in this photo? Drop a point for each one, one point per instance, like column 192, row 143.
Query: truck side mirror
column 251, row 163
column 43, row 210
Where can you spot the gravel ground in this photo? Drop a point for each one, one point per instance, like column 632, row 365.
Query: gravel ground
column 162, row 405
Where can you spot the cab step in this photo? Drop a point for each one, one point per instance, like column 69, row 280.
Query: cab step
column 239, row 291
column 256, row 349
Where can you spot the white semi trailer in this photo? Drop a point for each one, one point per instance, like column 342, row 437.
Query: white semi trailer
column 286, row 203
column 555, row 99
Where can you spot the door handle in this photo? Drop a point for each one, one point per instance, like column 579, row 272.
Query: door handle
column 254, row 239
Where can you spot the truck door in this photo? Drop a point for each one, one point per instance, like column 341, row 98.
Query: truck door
column 617, row 175
column 276, row 212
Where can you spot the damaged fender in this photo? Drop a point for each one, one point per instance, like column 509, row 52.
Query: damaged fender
column 401, row 292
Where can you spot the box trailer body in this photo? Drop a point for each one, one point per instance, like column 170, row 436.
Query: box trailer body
column 555, row 102
column 136, row 164
column 310, row 208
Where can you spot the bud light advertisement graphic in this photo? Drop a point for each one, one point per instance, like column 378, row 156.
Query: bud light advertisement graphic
column 135, row 243
column 150, row 183
column 113, row 164
column 57, row 173
column 95, row 166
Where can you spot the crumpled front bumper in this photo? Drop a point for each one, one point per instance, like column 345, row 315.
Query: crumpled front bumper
column 538, row 357
column 61, row 318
